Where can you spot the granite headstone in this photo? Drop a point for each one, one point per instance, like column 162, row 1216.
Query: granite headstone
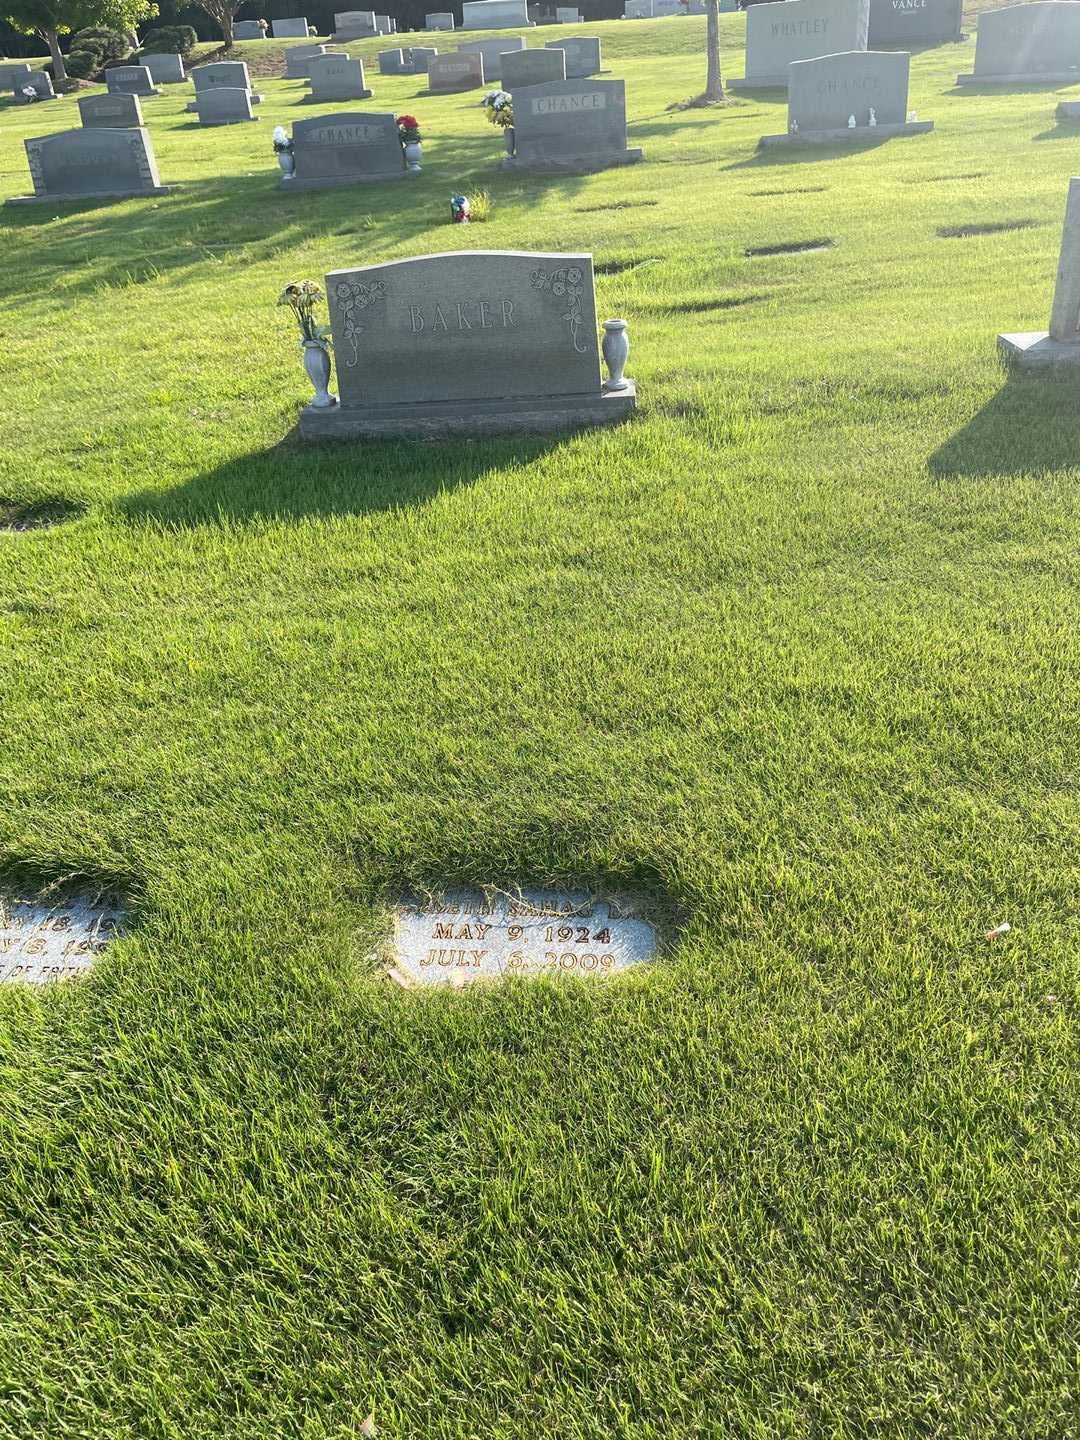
column 582, row 55
column 337, row 77
column 1060, row 345
column 40, row 82
column 89, row 164
column 439, row 20
column 914, row 22
column 230, row 74
column 825, row 93
column 345, row 149
column 130, row 80
column 787, row 30
column 43, row 940
column 522, row 68
column 164, row 69
column 492, row 51
column 495, row 15
column 292, row 27
column 13, row 73
column 220, row 105
column 460, row 70
column 354, row 25
column 571, row 126
column 1027, row 43
column 248, row 30
column 110, row 112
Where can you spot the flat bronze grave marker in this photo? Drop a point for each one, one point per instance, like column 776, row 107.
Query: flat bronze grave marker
column 55, row 938
column 461, row 936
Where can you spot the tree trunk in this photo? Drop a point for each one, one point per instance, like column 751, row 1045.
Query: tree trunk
column 714, row 85
column 53, row 41
column 226, row 19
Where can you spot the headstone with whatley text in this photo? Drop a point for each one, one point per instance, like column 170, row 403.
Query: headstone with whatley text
column 476, row 342
column 785, row 30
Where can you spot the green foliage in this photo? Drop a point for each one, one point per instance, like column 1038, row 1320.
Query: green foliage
column 106, row 44
column 480, row 204
column 170, row 40
column 800, row 644
column 82, row 64
column 63, row 16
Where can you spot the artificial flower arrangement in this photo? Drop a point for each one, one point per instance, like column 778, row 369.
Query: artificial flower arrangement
column 302, row 296
column 408, row 129
column 459, row 210
column 499, row 107
column 29, row 94
column 282, row 144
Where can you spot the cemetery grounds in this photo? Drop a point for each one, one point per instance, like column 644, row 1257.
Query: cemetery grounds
column 795, row 650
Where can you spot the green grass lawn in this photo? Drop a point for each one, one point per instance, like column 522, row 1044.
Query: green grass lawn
column 798, row 646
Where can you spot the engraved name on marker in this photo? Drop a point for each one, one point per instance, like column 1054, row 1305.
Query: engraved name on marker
column 42, row 940
column 463, row 936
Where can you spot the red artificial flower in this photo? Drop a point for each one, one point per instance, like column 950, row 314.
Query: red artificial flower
column 409, row 122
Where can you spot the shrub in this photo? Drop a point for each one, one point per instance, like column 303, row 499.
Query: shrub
column 82, row 64
column 170, row 40
column 109, row 44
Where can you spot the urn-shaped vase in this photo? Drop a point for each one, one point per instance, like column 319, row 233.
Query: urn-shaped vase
column 317, row 365
column 616, row 349
column 413, row 152
column 287, row 161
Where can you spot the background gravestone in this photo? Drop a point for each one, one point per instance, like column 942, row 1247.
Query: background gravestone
column 39, row 81
column 823, row 94
column 232, row 74
column 298, row 60
column 81, row 164
column 337, row 77
column 662, row 8
column 354, row 25
column 392, row 62
column 345, row 149
column 439, row 20
column 638, row 10
column 110, row 112
column 492, row 51
column 471, row 342
column 522, row 68
column 787, row 30
column 293, row 27
column 572, row 126
column 420, row 57
column 13, row 73
column 220, row 105
column 248, row 30
column 1060, row 346
column 130, row 80
column 164, row 69
column 567, row 15
column 582, row 55
column 458, row 71
column 1020, row 43
column 914, row 22
column 495, row 15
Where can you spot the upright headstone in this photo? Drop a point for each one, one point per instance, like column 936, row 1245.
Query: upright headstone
column 248, row 30
column 337, row 77
column 298, row 60
column 439, row 20
column 824, row 95
column 460, row 70
column 384, row 25
column 914, row 22
column 582, row 55
column 1023, row 44
column 130, row 80
column 294, row 27
column 567, row 15
column 354, row 25
column 91, row 164
column 1060, row 345
column 571, row 126
column 230, row 74
column 521, row 68
column 345, row 149
column 110, row 112
column 392, row 62
column 38, row 81
column 787, row 30
column 220, row 105
column 164, row 69
column 638, row 10
column 14, row 73
column 469, row 343
column 419, row 57
column 663, row 8
column 492, row 51
column 495, row 15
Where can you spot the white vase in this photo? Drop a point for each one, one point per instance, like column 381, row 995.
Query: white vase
column 317, row 365
column 413, row 151
column 616, row 349
column 287, row 161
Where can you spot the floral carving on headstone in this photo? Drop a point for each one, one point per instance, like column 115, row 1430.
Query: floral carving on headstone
column 565, row 281
column 352, row 298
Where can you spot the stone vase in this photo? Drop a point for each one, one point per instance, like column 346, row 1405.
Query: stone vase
column 287, row 161
column 413, row 152
column 616, row 347
column 317, row 365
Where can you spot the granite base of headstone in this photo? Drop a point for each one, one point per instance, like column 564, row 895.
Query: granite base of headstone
column 91, row 164
column 1060, row 345
column 1035, row 44
column 571, row 127
column 785, row 30
column 110, row 112
column 480, row 342
column 345, row 149
column 825, row 94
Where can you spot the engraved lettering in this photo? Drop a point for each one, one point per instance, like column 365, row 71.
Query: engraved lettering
column 507, row 314
column 462, row 323
column 417, row 319
column 485, row 324
column 444, row 932
column 439, row 318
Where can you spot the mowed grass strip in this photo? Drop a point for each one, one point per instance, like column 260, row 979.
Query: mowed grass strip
column 797, row 648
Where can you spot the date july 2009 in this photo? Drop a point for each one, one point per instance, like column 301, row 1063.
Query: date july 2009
column 586, row 962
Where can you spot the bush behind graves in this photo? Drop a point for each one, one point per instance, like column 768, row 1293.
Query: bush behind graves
column 170, row 40
column 108, row 44
column 82, row 64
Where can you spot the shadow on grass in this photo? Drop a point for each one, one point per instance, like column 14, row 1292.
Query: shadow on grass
column 775, row 155
column 296, row 478
column 1031, row 425
column 1063, row 130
